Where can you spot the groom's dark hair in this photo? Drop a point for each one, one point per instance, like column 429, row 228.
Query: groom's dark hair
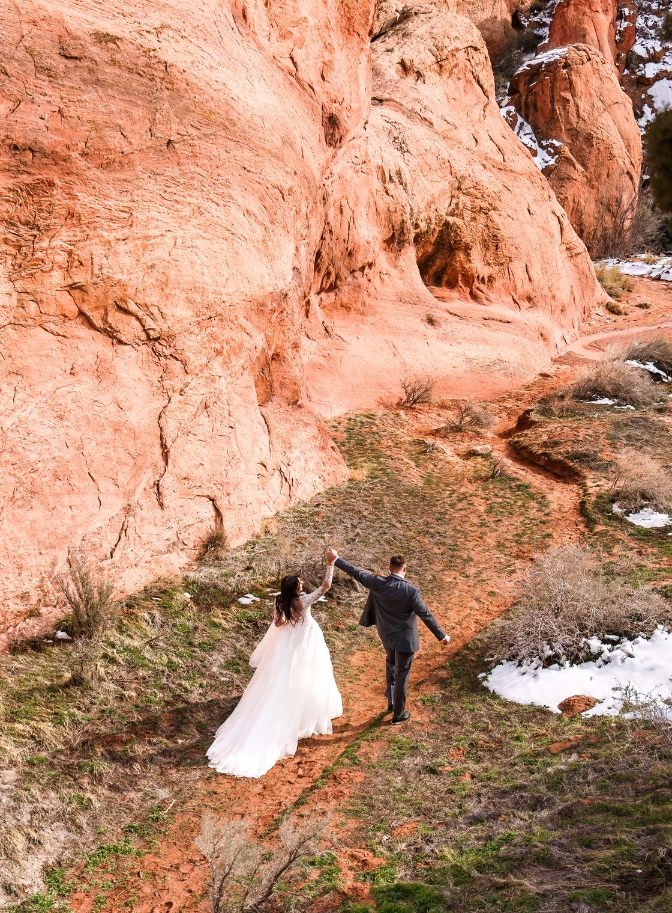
column 397, row 562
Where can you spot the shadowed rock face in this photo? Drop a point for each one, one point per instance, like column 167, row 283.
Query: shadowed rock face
column 572, row 96
column 210, row 237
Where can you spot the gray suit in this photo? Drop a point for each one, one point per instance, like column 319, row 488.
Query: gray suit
column 394, row 606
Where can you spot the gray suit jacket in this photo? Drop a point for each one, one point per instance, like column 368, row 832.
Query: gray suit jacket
column 393, row 606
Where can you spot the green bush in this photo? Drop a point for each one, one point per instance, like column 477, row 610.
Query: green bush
column 659, row 152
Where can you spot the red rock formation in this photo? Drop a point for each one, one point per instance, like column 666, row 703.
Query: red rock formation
column 572, row 96
column 206, row 239
column 608, row 25
column 591, row 22
column 626, row 32
column 438, row 178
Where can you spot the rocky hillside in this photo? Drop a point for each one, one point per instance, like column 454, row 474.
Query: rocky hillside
column 223, row 222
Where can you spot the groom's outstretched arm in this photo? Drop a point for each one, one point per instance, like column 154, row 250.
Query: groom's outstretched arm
column 367, row 580
column 428, row 617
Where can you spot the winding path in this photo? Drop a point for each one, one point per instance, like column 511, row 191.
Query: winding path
column 586, row 346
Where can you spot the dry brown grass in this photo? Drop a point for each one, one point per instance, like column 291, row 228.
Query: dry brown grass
column 613, row 280
column 639, row 481
column 615, row 380
column 89, row 595
column 657, row 351
column 566, row 599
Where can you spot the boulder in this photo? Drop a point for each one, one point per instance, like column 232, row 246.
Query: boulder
column 578, row 703
column 571, row 100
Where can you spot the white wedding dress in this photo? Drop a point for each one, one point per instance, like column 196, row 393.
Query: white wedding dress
column 291, row 696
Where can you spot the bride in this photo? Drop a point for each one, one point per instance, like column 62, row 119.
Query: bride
column 292, row 694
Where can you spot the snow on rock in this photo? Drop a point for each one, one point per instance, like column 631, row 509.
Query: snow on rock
column 644, row 664
column 545, row 152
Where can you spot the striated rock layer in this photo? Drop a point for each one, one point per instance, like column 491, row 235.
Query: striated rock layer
column 571, row 98
column 210, row 237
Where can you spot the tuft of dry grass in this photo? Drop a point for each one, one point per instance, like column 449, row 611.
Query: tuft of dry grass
column 657, row 351
column 639, row 481
column 89, row 595
column 615, row 380
column 417, row 392
column 613, row 280
column 566, row 600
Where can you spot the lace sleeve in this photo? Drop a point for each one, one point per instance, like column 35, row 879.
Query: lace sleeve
column 307, row 599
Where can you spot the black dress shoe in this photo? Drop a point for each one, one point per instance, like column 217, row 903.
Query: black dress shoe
column 401, row 719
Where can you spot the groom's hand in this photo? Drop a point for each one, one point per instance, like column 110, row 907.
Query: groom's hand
column 446, row 640
column 332, row 555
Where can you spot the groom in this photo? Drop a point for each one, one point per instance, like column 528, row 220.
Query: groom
column 394, row 606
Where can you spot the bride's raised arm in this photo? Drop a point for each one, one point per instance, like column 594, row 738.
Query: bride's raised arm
column 307, row 599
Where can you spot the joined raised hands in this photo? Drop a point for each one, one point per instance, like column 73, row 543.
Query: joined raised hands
column 332, row 555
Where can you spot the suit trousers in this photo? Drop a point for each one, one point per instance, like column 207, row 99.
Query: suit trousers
column 397, row 672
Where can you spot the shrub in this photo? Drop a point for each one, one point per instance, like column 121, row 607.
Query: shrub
column 214, row 545
column 468, row 416
column 242, row 878
column 613, row 280
column 519, row 44
column 89, row 595
column 659, row 153
column 416, row 393
column 615, row 380
column 633, row 226
column 657, row 351
column 566, row 600
column 615, row 308
column 639, row 481
column 666, row 27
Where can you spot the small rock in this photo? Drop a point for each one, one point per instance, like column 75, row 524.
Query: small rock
column 578, row 703
column 481, row 450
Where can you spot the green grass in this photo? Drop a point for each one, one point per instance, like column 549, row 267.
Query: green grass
column 508, row 838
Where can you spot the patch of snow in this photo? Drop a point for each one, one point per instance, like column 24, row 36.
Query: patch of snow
column 544, row 152
column 188, row 596
column 660, row 94
column 644, row 664
column 651, row 368
column 61, row 635
column 605, row 401
column 649, row 519
column 544, row 57
column 660, row 268
column 248, row 599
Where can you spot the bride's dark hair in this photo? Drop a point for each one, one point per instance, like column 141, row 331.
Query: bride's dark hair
column 286, row 596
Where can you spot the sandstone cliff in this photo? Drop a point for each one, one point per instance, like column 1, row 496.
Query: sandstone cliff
column 567, row 103
column 573, row 102
column 210, row 237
